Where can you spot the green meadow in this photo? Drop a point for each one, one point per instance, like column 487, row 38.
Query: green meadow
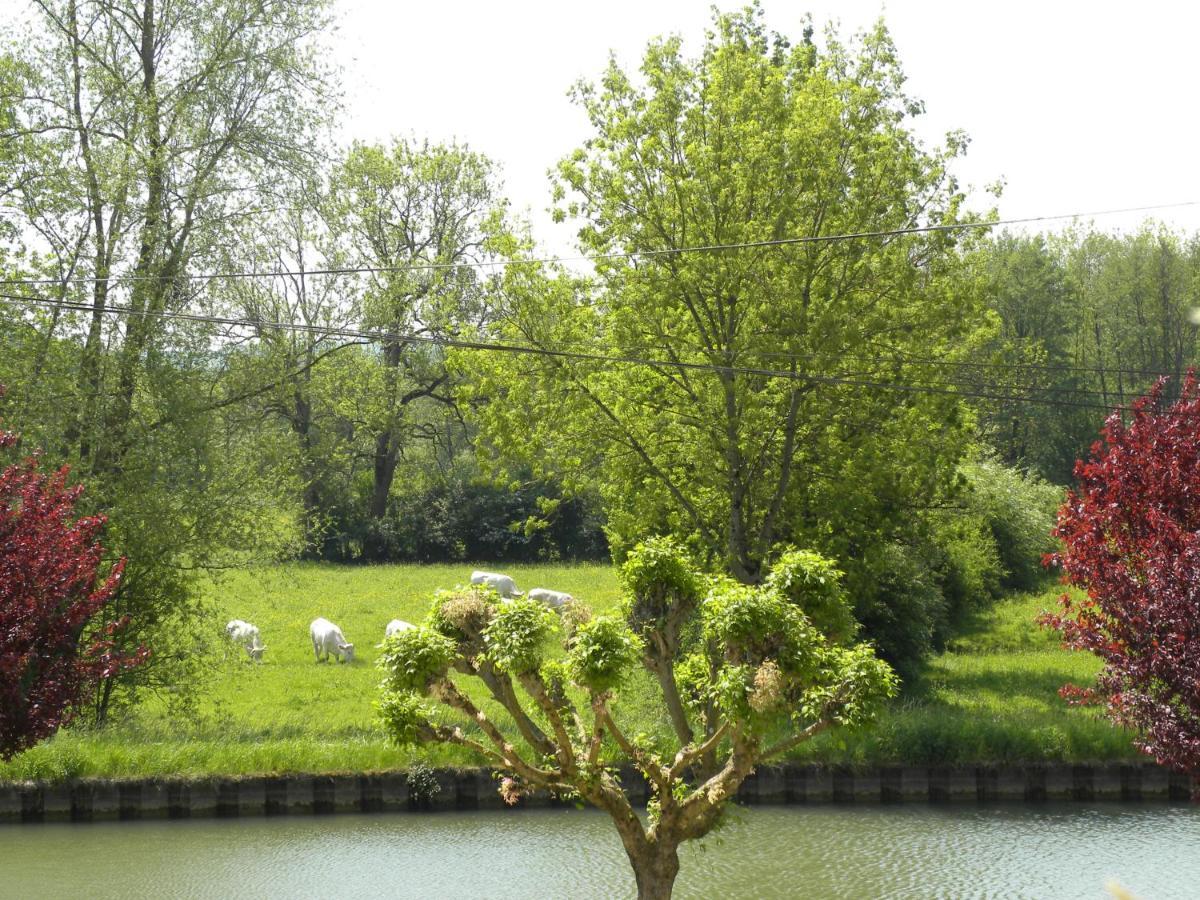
column 990, row 697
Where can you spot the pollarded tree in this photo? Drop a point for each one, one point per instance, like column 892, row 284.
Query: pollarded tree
column 746, row 675
column 1131, row 540
column 51, row 595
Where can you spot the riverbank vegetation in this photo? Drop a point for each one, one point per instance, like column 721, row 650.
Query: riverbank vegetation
column 255, row 346
column 990, row 697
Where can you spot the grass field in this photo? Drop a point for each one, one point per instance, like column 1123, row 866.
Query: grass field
column 990, row 697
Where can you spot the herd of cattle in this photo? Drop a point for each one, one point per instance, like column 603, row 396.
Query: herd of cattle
column 328, row 640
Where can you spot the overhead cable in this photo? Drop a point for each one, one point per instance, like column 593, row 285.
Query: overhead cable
column 599, row 257
column 520, row 349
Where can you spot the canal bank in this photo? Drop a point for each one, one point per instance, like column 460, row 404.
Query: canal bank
column 88, row 800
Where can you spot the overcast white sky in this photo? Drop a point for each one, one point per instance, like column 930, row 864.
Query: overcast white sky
column 1076, row 105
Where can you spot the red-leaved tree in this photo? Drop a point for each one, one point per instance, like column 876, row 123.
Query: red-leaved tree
column 1131, row 540
column 50, row 592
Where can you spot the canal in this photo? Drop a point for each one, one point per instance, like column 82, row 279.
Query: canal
column 918, row 851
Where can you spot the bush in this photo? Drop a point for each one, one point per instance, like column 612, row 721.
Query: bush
column 966, row 561
column 900, row 604
column 459, row 516
column 1019, row 510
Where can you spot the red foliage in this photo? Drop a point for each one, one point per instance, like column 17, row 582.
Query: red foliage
column 1131, row 536
column 49, row 593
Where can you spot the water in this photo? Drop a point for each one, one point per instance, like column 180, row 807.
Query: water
column 811, row 852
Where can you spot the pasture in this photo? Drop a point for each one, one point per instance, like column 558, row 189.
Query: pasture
column 991, row 697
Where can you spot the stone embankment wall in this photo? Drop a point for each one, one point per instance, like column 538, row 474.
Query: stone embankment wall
column 88, row 800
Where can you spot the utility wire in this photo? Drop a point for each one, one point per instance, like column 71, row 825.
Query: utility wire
column 905, row 358
column 519, row 349
column 601, row 257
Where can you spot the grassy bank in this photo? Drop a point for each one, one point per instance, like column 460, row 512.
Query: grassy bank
column 990, row 698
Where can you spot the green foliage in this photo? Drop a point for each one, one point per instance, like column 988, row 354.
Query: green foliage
column 414, row 659
column 405, row 718
column 899, row 603
column 462, row 614
column 658, row 574
column 448, row 512
column 752, row 625
column 519, row 634
column 603, row 653
column 864, row 683
column 814, row 584
column 966, row 562
column 749, row 140
column 1019, row 510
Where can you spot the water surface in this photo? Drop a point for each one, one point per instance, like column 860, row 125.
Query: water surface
column 913, row 851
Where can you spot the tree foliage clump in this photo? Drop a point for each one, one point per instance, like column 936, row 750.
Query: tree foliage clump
column 55, row 593
column 1130, row 532
column 745, row 676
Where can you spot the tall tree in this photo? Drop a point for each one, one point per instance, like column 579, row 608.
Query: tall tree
column 1041, row 418
column 148, row 130
column 755, row 415
column 419, row 216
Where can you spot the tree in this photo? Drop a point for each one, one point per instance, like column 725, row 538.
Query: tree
column 420, row 216
column 1130, row 535
column 146, row 133
column 746, row 674
column 53, row 644
column 1031, row 355
column 755, row 416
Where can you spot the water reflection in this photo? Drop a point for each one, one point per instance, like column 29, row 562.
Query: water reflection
column 853, row 852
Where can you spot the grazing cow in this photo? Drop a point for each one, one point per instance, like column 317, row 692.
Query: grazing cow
column 246, row 635
column 552, row 599
column 397, row 625
column 328, row 639
column 502, row 584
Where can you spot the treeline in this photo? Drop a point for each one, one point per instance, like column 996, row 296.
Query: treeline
column 1085, row 322
column 239, row 335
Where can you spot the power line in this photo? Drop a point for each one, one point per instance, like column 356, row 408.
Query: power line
column 458, row 343
column 905, row 358
column 601, row 257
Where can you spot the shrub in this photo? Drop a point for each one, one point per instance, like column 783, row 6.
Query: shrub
column 1018, row 508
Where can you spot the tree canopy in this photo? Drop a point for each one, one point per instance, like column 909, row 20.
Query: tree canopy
column 1131, row 540
column 752, row 416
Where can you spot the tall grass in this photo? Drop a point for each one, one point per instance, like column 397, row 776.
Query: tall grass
column 992, row 697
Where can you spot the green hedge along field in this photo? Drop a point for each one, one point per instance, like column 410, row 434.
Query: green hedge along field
column 991, row 697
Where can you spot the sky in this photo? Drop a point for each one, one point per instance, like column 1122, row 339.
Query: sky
column 1077, row 106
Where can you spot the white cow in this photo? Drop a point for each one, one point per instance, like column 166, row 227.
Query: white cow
column 552, row 599
column 502, row 584
column 328, row 639
column 246, row 635
column 397, row 625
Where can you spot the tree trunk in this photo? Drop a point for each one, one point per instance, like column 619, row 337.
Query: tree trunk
column 654, row 869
